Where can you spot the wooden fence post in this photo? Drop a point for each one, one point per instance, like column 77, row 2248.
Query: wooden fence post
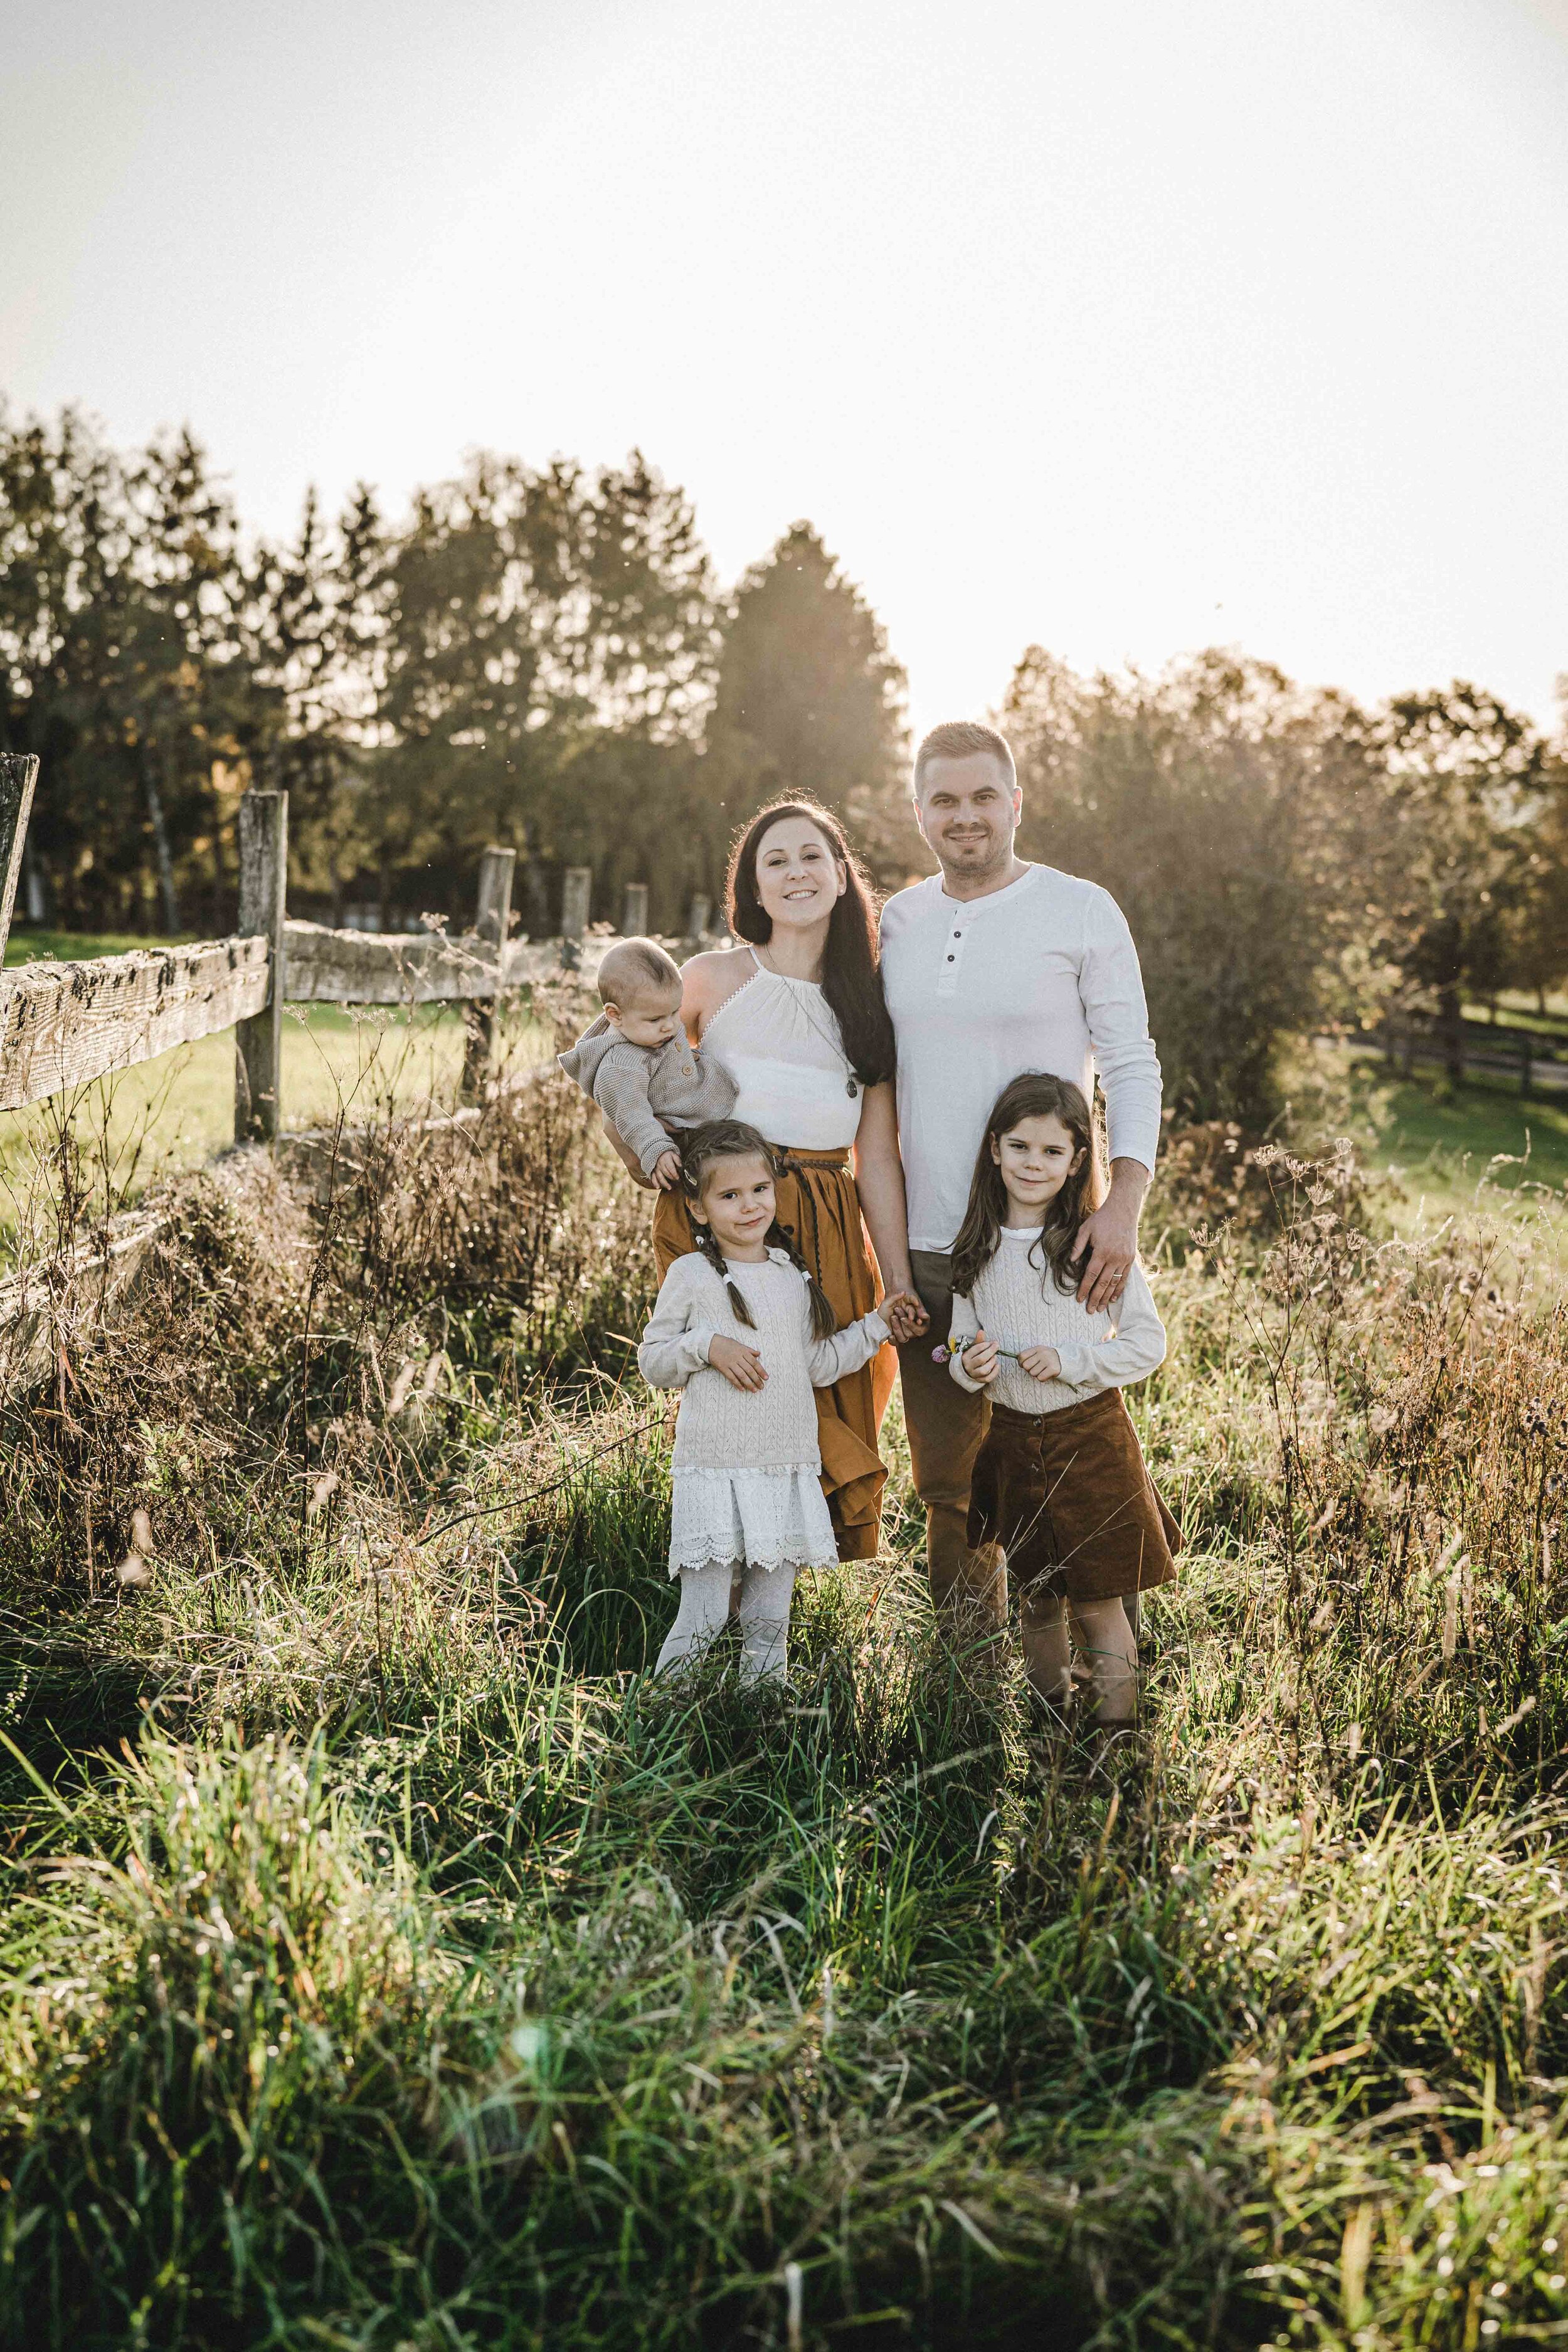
column 576, row 884
column 634, row 921
column 1525, row 1072
column 493, row 920
column 263, row 884
column 1451, row 1035
column 18, row 774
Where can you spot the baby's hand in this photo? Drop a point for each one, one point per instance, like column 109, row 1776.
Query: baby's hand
column 904, row 1316
column 1040, row 1363
column 666, row 1171
column 742, row 1366
column 981, row 1359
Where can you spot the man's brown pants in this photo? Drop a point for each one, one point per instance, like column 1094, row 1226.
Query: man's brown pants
column 946, row 1427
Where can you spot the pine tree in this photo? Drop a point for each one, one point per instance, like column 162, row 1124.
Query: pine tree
column 810, row 702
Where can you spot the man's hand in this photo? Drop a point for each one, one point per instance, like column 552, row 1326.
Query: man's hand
column 742, row 1366
column 666, row 1171
column 904, row 1316
column 980, row 1358
column 1112, row 1236
column 1040, row 1363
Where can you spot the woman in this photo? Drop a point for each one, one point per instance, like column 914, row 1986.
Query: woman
column 797, row 1018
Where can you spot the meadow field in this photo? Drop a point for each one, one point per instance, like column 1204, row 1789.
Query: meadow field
column 388, row 1963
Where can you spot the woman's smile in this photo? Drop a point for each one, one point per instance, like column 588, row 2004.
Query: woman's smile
column 797, row 873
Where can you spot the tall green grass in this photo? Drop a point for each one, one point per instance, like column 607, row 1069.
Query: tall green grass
column 389, row 1962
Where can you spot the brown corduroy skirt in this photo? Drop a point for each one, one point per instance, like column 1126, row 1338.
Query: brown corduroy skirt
column 819, row 1208
column 1068, row 1497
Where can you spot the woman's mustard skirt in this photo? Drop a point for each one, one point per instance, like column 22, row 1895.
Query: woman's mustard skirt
column 819, row 1208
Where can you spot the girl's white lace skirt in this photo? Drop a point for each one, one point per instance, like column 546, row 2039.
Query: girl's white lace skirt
column 774, row 1518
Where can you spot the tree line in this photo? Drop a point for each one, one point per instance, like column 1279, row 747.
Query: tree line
column 543, row 656
column 535, row 656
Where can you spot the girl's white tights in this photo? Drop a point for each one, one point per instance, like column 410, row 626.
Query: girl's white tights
column 1106, row 1639
column 765, row 1596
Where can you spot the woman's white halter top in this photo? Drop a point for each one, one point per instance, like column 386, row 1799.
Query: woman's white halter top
column 779, row 1040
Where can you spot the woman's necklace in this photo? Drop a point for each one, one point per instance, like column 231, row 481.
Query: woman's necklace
column 852, row 1084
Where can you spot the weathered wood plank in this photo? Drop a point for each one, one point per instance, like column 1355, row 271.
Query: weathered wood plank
column 18, row 776
column 258, row 1046
column 62, row 1024
column 60, row 1302
column 327, row 967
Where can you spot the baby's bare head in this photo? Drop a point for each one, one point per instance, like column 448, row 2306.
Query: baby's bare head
column 639, row 988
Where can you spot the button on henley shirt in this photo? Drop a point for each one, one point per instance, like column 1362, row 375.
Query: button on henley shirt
column 1042, row 975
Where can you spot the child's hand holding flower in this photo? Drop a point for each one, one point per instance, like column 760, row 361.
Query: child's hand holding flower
column 1040, row 1363
column 981, row 1359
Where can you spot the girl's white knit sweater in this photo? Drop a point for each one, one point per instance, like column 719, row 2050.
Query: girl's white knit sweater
column 1018, row 1309
column 723, row 1428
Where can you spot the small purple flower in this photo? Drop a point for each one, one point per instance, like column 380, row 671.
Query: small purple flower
column 939, row 1355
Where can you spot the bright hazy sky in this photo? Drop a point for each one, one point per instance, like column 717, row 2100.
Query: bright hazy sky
column 1124, row 326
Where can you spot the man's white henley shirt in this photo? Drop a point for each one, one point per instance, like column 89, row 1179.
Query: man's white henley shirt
column 1042, row 975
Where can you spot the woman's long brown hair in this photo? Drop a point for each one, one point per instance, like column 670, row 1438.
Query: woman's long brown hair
column 1034, row 1095
column 851, row 979
column 729, row 1139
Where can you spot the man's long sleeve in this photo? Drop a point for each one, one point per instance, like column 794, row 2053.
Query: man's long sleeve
column 1111, row 985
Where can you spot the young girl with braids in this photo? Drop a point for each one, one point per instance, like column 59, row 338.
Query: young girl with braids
column 1059, row 1484
column 745, row 1332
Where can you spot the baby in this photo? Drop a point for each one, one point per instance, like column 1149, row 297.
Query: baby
column 638, row 1063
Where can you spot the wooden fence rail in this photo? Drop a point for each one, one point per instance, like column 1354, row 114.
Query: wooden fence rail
column 62, row 1026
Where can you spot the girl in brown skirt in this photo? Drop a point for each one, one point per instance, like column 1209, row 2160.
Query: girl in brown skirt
column 1061, row 1483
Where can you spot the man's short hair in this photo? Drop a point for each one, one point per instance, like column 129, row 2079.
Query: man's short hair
column 632, row 965
column 959, row 739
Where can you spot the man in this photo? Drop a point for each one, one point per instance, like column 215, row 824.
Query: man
column 993, row 967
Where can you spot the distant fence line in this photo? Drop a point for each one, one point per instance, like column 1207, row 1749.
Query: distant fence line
column 62, row 1024
column 1536, row 1058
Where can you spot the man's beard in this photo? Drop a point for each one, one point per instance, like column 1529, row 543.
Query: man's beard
column 970, row 857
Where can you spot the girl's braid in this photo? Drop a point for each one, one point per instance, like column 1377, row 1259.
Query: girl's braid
column 824, row 1322
column 707, row 1242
